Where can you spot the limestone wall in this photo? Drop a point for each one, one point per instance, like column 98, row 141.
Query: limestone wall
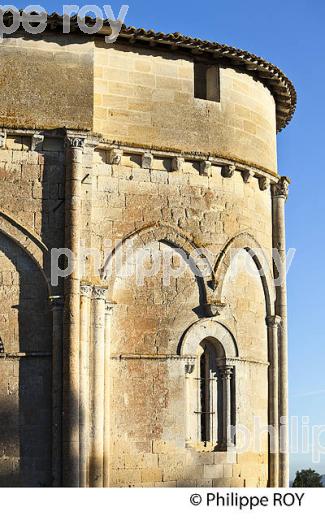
column 134, row 97
column 31, row 210
column 147, row 97
column 148, row 413
column 46, row 82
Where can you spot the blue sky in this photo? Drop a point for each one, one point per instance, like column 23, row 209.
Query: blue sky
column 290, row 34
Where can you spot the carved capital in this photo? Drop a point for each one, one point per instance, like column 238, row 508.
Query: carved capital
column 115, row 156
column 205, row 168
column 177, row 164
column 281, row 189
column 99, row 293
column 228, row 170
column 273, row 321
column 147, row 160
column 264, row 183
column 226, row 372
column 2, row 139
column 109, row 307
column 36, row 140
column 247, row 175
column 75, row 141
column 86, row 290
column 189, row 367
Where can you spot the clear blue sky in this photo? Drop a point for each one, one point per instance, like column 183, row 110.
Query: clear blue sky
column 289, row 33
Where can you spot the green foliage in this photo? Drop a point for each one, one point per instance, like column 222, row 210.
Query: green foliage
column 307, row 478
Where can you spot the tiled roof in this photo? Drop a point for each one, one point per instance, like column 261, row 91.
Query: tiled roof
column 280, row 86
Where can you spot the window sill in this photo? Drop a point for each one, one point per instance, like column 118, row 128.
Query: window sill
column 203, row 447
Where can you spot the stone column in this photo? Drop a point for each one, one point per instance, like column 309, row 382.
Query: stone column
column 226, row 374
column 74, row 170
column 273, row 323
column 107, row 387
column 191, row 401
column 57, row 343
column 279, row 197
column 85, row 295
column 96, row 466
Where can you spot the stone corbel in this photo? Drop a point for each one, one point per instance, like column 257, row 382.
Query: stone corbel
column 147, row 160
column 36, row 140
column 115, row 156
column 264, row 183
column 205, row 168
column 2, row 139
column 177, row 164
column 247, row 175
column 228, row 171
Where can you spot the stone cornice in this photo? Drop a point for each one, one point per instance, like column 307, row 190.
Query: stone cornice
column 178, row 156
column 18, row 355
column 175, row 357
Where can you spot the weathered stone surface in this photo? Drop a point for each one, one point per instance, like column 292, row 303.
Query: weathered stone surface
column 133, row 189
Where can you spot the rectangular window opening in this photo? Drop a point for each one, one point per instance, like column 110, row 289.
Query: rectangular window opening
column 207, row 81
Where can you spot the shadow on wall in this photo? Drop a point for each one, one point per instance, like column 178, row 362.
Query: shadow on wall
column 25, row 371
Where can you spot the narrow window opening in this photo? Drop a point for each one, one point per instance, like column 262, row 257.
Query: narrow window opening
column 206, row 81
column 205, row 398
column 208, row 396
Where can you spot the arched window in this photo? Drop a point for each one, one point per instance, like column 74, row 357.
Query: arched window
column 210, row 398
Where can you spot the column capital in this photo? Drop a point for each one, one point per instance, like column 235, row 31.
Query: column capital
column 73, row 140
column 189, row 367
column 281, row 188
column 273, row 321
column 99, row 292
column 56, row 302
column 109, row 307
column 226, row 371
column 86, row 290
column 2, row 139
